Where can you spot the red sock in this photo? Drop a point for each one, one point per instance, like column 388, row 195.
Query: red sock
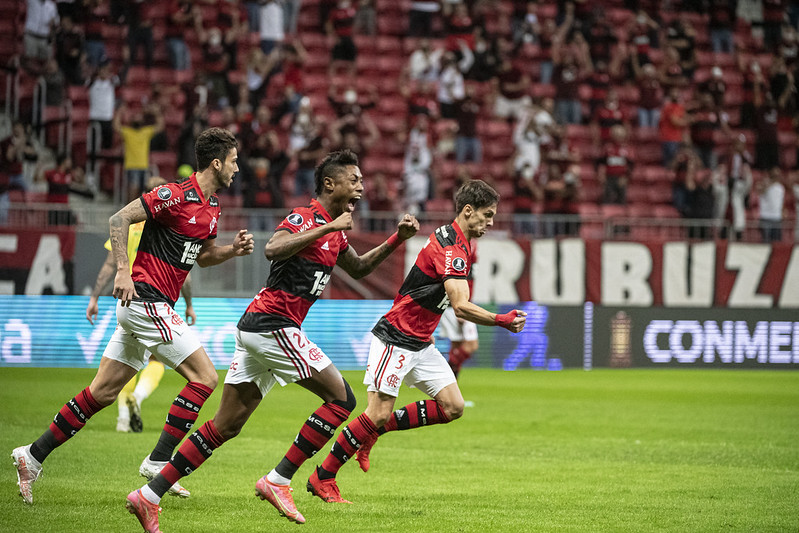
column 317, row 430
column 347, row 443
column 182, row 414
column 414, row 415
column 191, row 454
column 74, row 415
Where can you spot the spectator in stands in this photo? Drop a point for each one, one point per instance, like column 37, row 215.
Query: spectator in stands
column 340, row 28
column 259, row 70
column 528, row 137
column 486, row 58
column 366, row 18
column 451, row 84
column 753, row 77
column 681, row 35
column 601, row 38
column 771, row 202
column 782, row 87
column 571, row 66
column 140, row 35
column 183, row 17
column 700, row 198
column 215, row 66
column 420, row 17
column 673, row 125
column 773, row 18
column 193, row 126
column 307, row 143
column 600, row 80
column 253, row 8
column 511, row 91
column 468, row 146
column 685, row 163
column 615, row 167
column 560, row 194
column 102, row 103
column 270, row 162
column 356, row 133
column 716, row 86
column 706, row 119
column 640, row 31
column 69, row 51
column 560, row 150
column 767, row 146
column 417, row 168
column 41, row 21
column 293, row 58
column 549, row 34
column 55, row 84
column 94, row 18
column 424, row 63
column 671, row 72
column 16, row 149
column 735, row 174
column 291, row 15
column 136, row 139
column 421, row 98
column 271, row 25
column 458, row 25
column 788, row 49
column 650, row 95
column 380, row 198
column 526, row 26
column 230, row 19
column 59, row 183
column 608, row 115
column 722, row 24
column 526, row 195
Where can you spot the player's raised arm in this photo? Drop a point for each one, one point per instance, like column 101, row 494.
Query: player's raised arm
column 120, row 225
column 211, row 254
column 458, row 294
column 285, row 244
column 359, row 266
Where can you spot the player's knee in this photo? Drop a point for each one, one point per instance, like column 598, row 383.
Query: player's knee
column 228, row 430
column 349, row 402
column 453, row 409
column 210, row 379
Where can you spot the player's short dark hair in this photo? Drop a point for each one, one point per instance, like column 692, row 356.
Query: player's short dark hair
column 213, row 143
column 477, row 194
column 332, row 165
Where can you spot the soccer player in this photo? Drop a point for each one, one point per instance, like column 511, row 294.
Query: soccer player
column 180, row 230
column 271, row 346
column 134, row 393
column 402, row 349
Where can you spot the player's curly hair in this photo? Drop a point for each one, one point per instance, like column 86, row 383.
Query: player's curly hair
column 477, row 194
column 213, row 143
column 332, row 165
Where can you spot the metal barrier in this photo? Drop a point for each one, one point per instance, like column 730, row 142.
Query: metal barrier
column 93, row 217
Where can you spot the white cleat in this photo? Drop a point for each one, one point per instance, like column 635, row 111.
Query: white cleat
column 123, row 425
column 28, row 471
column 149, row 469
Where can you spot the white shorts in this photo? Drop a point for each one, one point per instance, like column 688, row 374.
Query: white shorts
column 281, row 356
column 145, row 328
column 390, row 365
column 453, row 329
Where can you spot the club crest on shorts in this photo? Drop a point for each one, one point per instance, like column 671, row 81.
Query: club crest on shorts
column 164, row 193
column 459, row 264
column 295, row 219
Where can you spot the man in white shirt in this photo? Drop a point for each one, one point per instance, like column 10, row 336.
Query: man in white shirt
column 41, row 20
column 772, row 197
column 425, row 63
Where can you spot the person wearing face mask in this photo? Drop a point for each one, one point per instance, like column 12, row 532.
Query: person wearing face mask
column 136, row 137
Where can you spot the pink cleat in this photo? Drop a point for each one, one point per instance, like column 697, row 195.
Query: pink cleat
column 327, row 489
column 28, row 471
column 146, row 512
column 362, row 455
column 280, row 497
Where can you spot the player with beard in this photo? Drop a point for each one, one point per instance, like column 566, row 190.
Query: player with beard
column 402, row 347
column 180, row 230
column 271, row 346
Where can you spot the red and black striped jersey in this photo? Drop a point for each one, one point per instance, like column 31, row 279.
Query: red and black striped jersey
column 294, row 284
column 421, row 299
column 179, row 221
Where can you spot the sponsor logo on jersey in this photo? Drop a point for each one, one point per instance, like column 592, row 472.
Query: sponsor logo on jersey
column 319, row 219
column 295, row 219
column 193, row 220
column 167, row 203
column 192, row 196
column 214, row 201
column 392, row 380
column 326, row 246
column 164, row 193
column 459, row 264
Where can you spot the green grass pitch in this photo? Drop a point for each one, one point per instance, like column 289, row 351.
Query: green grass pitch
column 607, row 450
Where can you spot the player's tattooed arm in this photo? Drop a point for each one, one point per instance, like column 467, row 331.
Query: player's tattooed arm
column 359, row 266
column 119, row 227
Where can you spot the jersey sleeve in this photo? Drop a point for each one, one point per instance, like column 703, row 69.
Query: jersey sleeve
column 298, row 220
column 452, row 262
column 161, row 201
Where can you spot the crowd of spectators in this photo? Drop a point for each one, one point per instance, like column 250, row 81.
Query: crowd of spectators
column 584, row 89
